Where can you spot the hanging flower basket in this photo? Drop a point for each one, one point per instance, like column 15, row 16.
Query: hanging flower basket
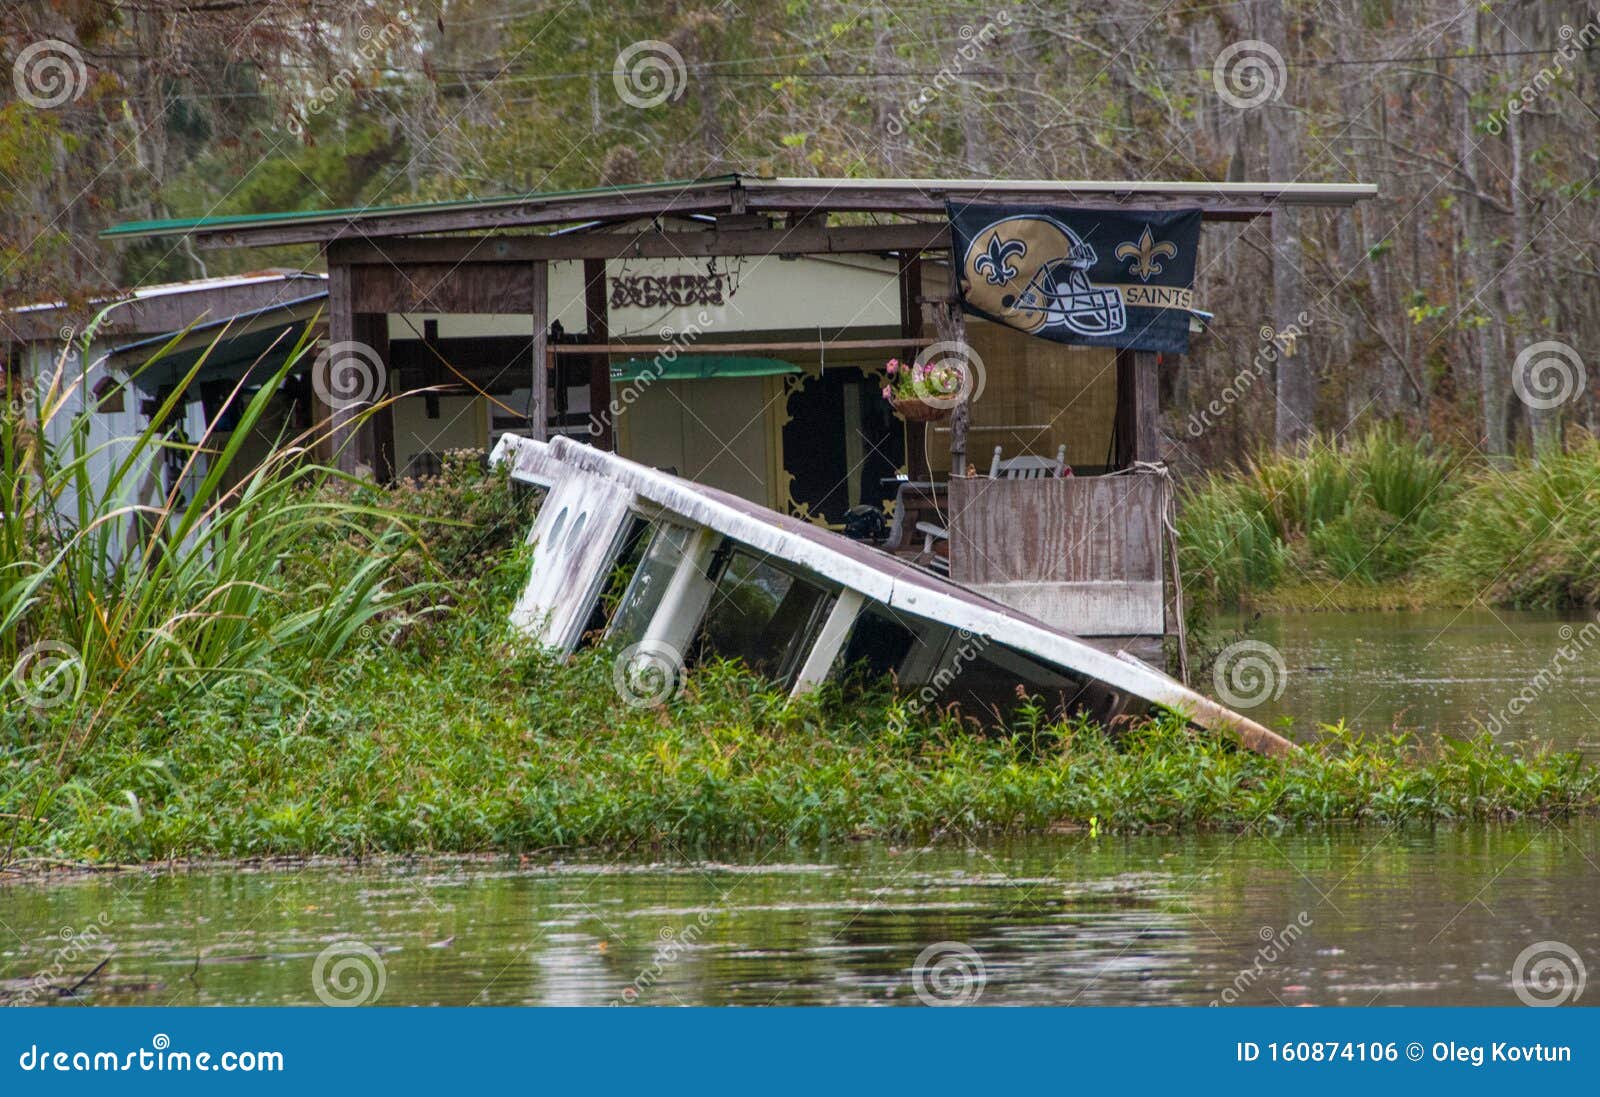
column 913, row 410
column 921, row 393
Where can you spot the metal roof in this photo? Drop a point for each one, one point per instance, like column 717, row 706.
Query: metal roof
column 250, row 220
column 193, row 285
column 736, row 194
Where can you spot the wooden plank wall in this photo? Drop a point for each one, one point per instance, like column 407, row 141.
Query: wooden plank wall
column 1077, row 529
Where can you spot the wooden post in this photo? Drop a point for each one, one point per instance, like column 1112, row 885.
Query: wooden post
column 375, row 442
column 594, row 306
column 911, row 327
column 539, row 399
column 1138, row 411
column 952, row 328
column 341, row 447
column 1146, row 394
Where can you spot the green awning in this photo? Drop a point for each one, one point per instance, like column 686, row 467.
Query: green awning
column 698, row 367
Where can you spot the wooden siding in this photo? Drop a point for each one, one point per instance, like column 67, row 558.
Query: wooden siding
column 1065, row 530
column 1081, row 553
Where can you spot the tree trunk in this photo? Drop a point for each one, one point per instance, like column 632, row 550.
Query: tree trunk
column 1296, row 387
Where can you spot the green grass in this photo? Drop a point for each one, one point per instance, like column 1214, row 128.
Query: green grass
column 1390, row 521
column 1527, row 535
column 1361, row 515
column 300, row 664
column 477, row 749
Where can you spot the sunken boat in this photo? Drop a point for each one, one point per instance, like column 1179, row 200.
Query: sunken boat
column 713, row 575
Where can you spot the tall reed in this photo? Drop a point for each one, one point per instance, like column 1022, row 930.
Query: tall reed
column 1527, row 534
column 1363, row 511
column 154, row 563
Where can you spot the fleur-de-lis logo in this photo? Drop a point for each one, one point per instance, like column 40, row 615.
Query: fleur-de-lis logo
column 1145, row 253
column 994, row 263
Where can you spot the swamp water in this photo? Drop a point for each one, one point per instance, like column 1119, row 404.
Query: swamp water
column 1437, row 915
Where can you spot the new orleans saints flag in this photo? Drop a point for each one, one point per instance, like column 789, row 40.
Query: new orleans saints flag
column 1105, row 278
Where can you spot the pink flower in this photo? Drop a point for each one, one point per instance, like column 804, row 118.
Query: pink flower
column 886, row 392
column 893, row 365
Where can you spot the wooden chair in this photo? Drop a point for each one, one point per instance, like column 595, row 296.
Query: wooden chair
column 914, row 505
column 1028, row 468
column 934, row 538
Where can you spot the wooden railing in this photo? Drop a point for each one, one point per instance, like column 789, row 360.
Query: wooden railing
column 1081, row 553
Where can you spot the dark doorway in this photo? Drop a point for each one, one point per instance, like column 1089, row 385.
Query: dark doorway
column 842, row 442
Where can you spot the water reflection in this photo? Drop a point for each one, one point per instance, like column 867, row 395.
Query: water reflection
column 1453, row 672
column 1410, row 917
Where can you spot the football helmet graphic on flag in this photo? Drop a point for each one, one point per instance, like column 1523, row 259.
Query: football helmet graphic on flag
column 1032, row 273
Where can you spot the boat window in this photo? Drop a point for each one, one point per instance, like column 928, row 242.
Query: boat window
column 553, row 540
column 763, row 614
column 878, row 645
column 623, row 569
column 648, row 582
column 985, row 678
